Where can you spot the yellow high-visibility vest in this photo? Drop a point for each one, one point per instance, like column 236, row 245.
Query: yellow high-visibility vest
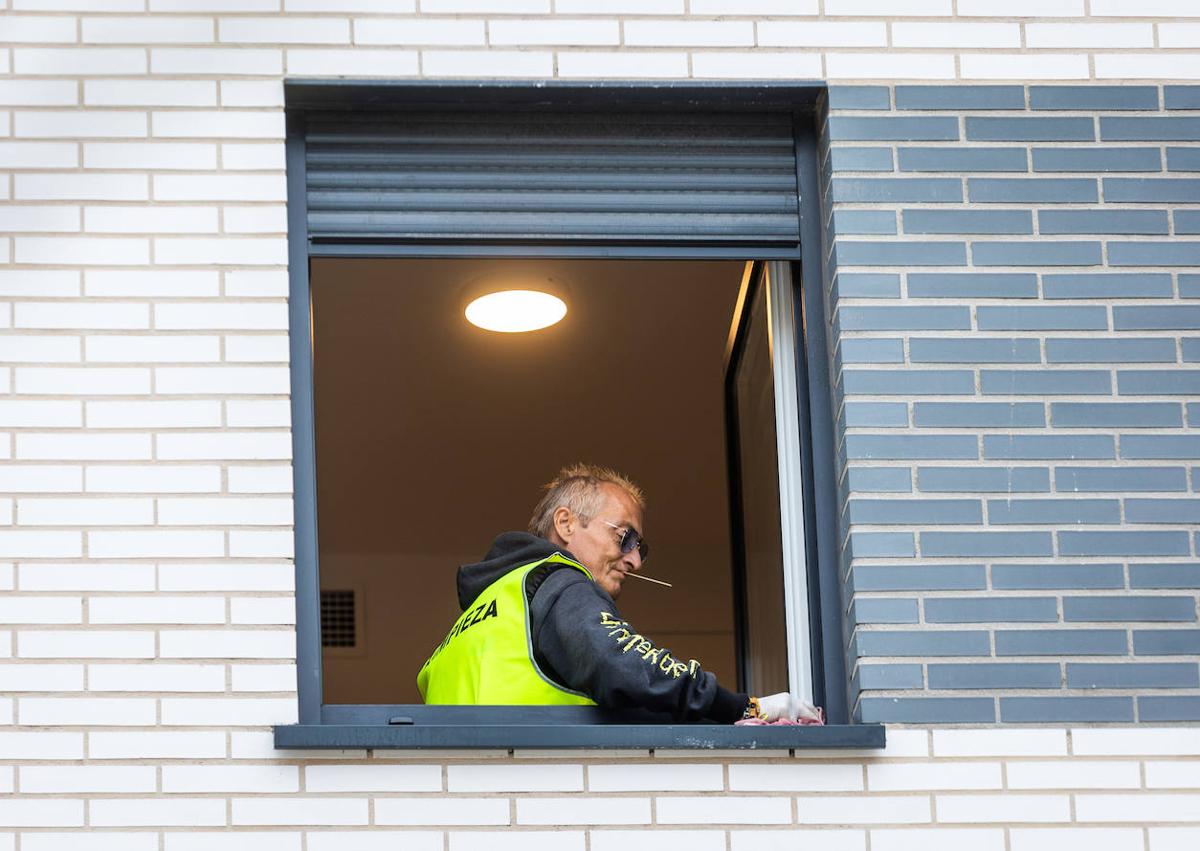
column 487, row 656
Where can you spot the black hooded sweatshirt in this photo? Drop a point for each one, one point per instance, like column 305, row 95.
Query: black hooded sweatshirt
column 581, row 641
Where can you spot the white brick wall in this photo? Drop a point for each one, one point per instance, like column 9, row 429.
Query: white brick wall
column 143, row 261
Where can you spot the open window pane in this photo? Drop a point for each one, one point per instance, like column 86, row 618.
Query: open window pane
column 433, row 436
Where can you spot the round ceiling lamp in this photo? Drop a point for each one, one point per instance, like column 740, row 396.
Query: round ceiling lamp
column 517, row 309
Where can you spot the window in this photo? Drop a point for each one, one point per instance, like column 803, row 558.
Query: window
column 390, row 209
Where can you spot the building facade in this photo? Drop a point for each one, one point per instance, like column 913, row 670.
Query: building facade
column 1010, row 229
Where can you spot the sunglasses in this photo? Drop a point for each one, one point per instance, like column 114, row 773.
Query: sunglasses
column 631, row 539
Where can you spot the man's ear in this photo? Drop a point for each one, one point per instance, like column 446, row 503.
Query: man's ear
column 564, row 523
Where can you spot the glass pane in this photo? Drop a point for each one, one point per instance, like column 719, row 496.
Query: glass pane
column 754, row 396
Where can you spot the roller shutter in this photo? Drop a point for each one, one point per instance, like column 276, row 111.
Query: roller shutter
column 636, row 177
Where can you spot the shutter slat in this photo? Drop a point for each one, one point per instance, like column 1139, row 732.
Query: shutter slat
column 638, row 177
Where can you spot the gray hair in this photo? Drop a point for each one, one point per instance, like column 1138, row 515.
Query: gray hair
column 578, row 488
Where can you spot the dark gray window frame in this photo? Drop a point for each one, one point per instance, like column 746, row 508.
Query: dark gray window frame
column 353, row 726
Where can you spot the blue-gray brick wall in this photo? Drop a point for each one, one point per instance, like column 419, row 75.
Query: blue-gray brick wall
column 1013, row 284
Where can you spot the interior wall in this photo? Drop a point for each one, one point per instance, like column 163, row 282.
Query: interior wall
column 433, row 436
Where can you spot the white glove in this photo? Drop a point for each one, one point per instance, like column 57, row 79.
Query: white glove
column 784, row 705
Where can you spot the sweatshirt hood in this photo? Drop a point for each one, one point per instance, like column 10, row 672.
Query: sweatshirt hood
column 509, row 551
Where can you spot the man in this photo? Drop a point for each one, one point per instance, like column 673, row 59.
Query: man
column 540, row 626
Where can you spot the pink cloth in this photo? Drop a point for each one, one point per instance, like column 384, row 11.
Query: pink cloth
column 784, row 722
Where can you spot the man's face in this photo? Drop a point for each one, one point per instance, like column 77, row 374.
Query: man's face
column 598, row 545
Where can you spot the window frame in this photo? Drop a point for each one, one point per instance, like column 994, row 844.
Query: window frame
column 404, row 726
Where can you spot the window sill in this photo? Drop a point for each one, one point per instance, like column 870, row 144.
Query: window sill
column 597, row 736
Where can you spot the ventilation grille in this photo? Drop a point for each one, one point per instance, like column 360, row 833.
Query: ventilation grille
column 337, row 619
column 596, row 177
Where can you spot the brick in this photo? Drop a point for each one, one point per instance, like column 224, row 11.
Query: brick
column 958, row 97
column 990, row 610
column 916, row 511
column 263, row 610
column 937, row 839
column 159, row 282
column 887, row 677
column 951, row 544
column 1141, row 128
column 225, row 446
column 885, row 253
column 969, row 221
column 876, row 414
column 871, row 610
column 1015, row 382
column 24, row 544
column 904, row 318
column 975, row 414
column 26, row 677
column 1010, row 577
column 889, row 190
column 87, row 778
column 230, row 511
column 1101, row 350
column 232, row 251
column 1031, row 190
column 158, row 609
column 1187, row 222
column 860, row 159
column 40, row 93
column 927, row 643
column 1036, row 253
column 968, row 743
column 1168, row 708
column 821, row 34
column 77, row 711
column 906, row 383
column 1116, row 414
column 983, row 479
column 159, row 478
column 83, row 315
column 870, row 351
column 1169, row 775
column 182, row 812
column 945, row 710
column 590, row 810
column 1159, row 446
column 1125, row 675
column 358, row 62
column 1079, row 775
column 37, row 28
column 192, row 316
column 1020, row 66
column 1136, row 807
column 1105, row 159
column 1183, row 159
column 259, row 479
column 240, row 187
column 221, row 380
column 559, row 840
column 53, row 812
column 700, row 840
column 1153, row 317
column 270, row 841
column 1164, row 575
column 155, row 544
column 864, row 221
column 444, row 811
column 371, row 778
column 1092, row 97
column 1090, row 35
column 258, row 678
column 1142, row 189
column 979, row 350
column 31, row 413
column 993, row 676
column 863, row 446
column 158, row 348
column 84, row 512
column 881, row 545
column 1118, row 480
column 1102, row 221
column 1029, row 129
column 1059, row 709
column 604, row 64
column 1107, row 285
column 40, row 478
column 924, row 578
column 1162, row 511
column 857, row 97
column 239, row 711
column 227, row 644
column 216, row 62
column 846, row 128
column 153, row 220
column 686, row 33
column 156, row 677
column 879, row 479
column 515, row 778
column 66, row 577
column 229, row 124
column 1123, row 543
column 1075, row 642
column 79, row 60
column 1003, row 808
column 256, row 282
column 962, row 159
column 83, row 251
column 89, row 644
column 1129, row 609
column 1141, row 382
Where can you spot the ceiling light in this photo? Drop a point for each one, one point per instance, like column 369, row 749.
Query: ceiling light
column 513, row 311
